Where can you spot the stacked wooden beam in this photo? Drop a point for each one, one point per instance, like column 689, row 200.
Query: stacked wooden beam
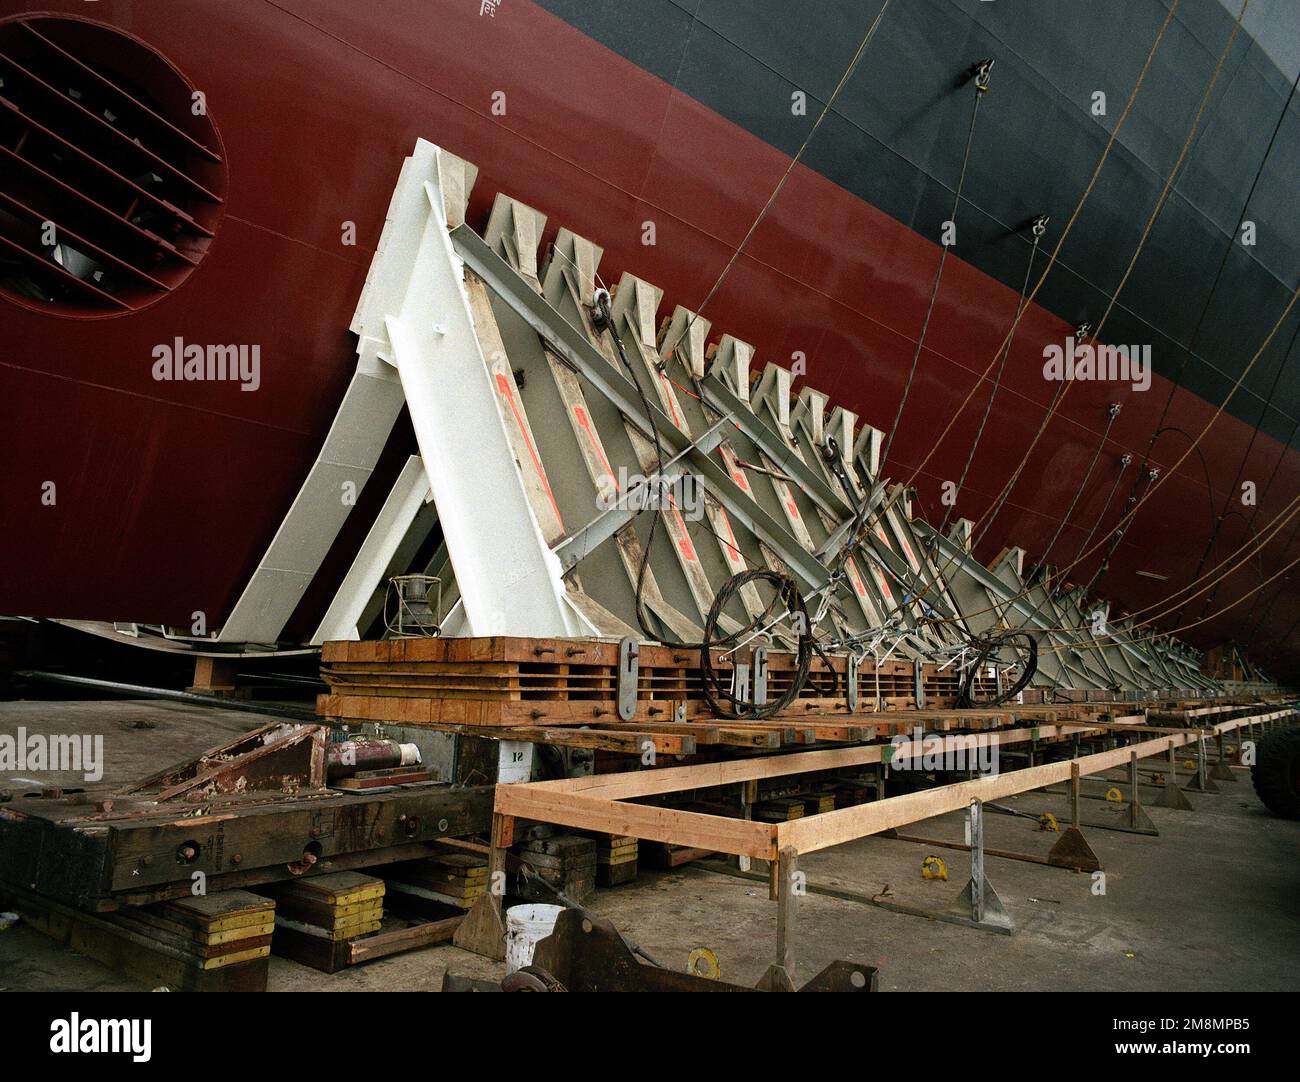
column 562, row 862
column 317, row 918
column 217, row 929
column 666, row 855
column 850, row 792
column 616, row 859
column 542, row 690
column 818, row 803
column 455, row 879
column 218, row 942
column 780, row 810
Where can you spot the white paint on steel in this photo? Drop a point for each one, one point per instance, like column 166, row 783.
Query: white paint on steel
column 368, row 571
column 509, row 580
column 364, row 419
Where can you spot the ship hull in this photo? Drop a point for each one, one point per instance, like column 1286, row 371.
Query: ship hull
column 168, row 492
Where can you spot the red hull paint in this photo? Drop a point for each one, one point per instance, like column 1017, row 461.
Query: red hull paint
column 168, row 493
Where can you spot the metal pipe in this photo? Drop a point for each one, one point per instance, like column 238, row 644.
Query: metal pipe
column 346, row 757
column 141, row 692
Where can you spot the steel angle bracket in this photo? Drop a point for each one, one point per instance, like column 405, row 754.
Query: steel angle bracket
column 583, row 541
column 722, row 398
column 572, row 345
column 366, row 414
column 374, row 561
column 509, row 580
column 740, row 680
column 1029, row 618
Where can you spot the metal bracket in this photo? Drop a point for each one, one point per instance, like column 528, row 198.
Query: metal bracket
column 740, row 681
column 759, row 661
column 979, row 900
column 629, row 652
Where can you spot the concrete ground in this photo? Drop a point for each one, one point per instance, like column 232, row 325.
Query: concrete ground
column 1213, row 903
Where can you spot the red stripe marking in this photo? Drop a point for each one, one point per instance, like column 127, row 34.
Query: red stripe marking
column 584, row 422
column 503, row 385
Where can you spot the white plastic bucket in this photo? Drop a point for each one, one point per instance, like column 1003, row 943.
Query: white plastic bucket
column 525, row 926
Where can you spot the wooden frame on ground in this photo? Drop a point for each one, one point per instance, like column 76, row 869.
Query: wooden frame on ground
column 602, row 802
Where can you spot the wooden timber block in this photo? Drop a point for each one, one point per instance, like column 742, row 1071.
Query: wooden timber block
column 455, row 879
column 616, row 859
column 318, row 919
column 213, row 676
column 252, row 942
column 577, row 858
column 316, row 951
column 849, row 792
column 818, row 803
column 148, row 946
column 576, row 887
column 221, row 911
column 337, row 888
column 360, row 939
column 420, row 923
column 613, row 875
column 567, row 862
column 779, row 811
column 351, row 929
column 625, row 855
column 215, row 928
column 330, row 917
column 664, row 855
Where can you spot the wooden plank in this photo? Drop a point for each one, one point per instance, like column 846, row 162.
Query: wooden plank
column 693, row 829
column 632, row 742
column 594, row 803
column 382, row 944
column 833, row 828
column 740, row 736
column 706, row 775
